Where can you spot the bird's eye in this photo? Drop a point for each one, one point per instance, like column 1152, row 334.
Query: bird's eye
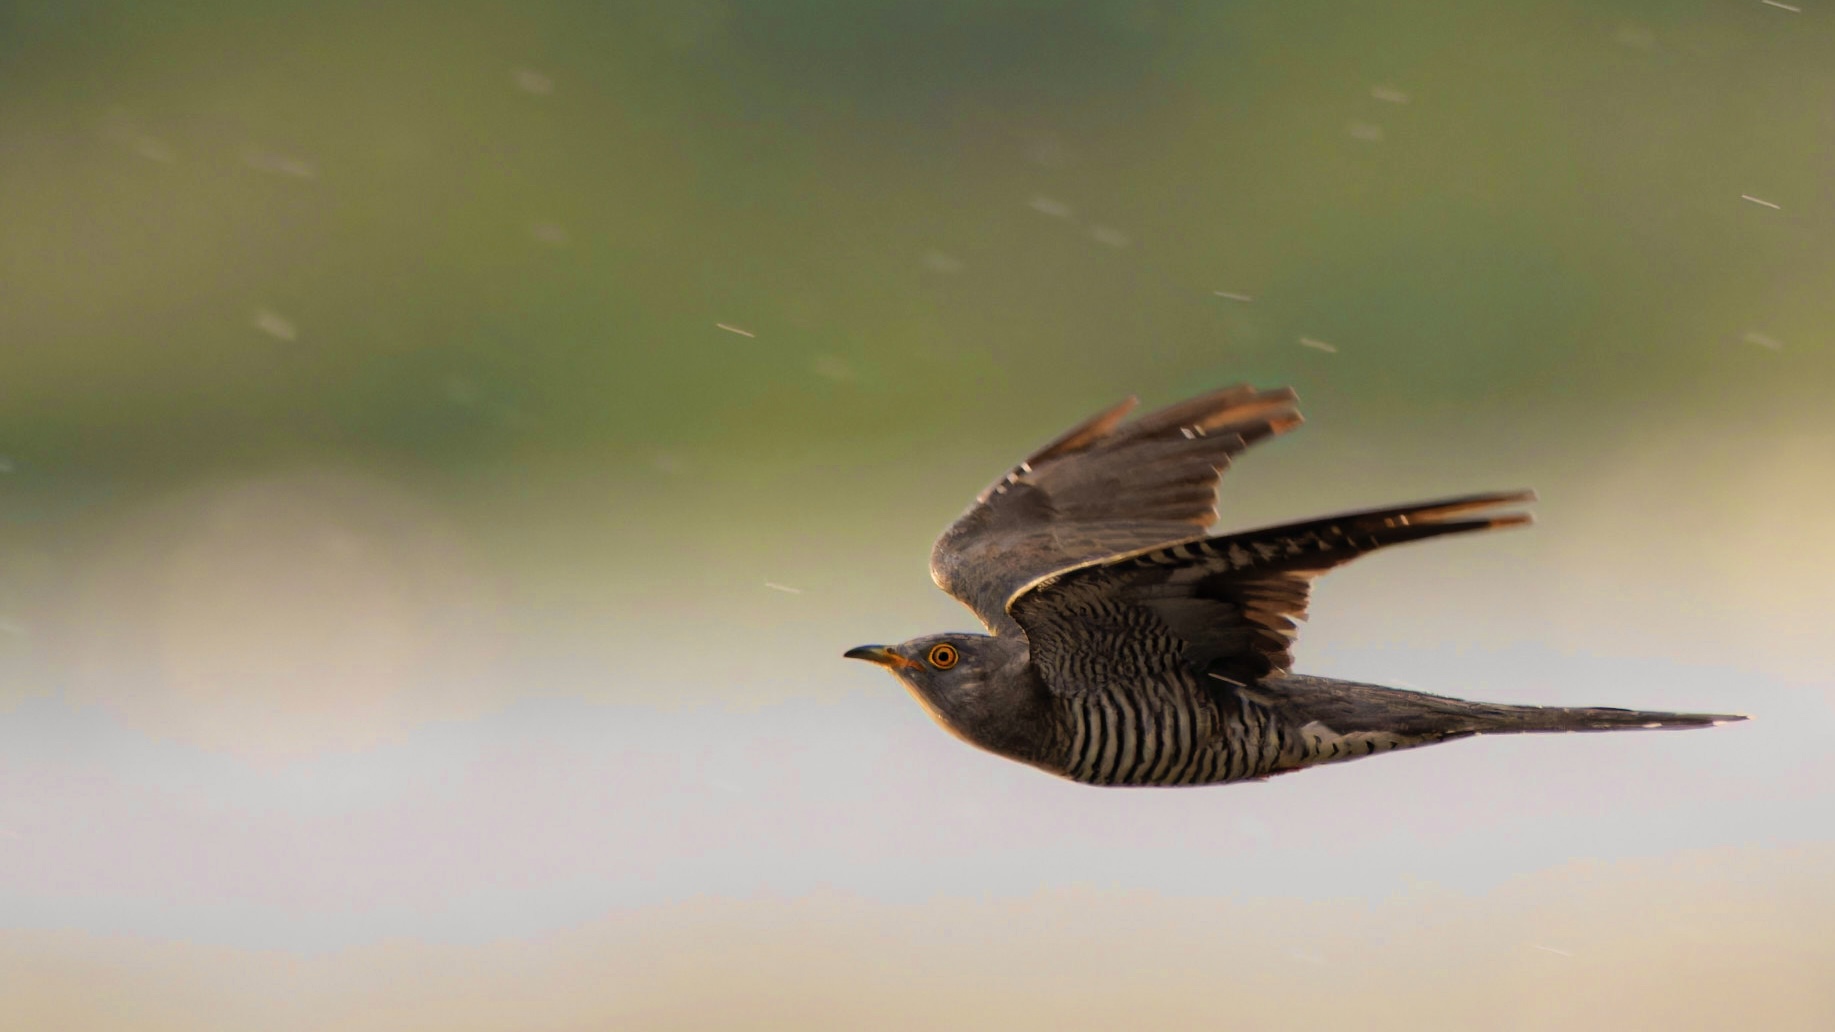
column 943, row 656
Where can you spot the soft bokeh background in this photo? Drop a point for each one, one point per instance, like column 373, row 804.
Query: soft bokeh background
column 445, row 448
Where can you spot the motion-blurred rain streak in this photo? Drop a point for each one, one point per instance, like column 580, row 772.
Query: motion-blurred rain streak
column 276, row 163
column 1049, row 206
column 276, row 325
column 533, row 82
column 1110, row 236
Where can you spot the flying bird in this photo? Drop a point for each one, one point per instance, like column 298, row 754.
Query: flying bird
column 1127, row 647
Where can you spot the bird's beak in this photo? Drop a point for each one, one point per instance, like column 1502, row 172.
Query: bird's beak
column 880, row 654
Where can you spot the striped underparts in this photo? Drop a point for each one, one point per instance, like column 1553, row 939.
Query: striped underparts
column 1178, row 733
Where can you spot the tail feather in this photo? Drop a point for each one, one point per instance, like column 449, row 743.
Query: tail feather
column 1339, row 720
column 1530, row 719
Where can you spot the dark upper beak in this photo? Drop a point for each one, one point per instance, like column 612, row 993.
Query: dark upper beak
column 880, row 654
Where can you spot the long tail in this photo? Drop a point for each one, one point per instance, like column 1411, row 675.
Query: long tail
column 1340, row 720
column 1500, row 719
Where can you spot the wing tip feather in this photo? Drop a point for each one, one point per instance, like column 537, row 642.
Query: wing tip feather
column 1088, row 432
column 1439, row 510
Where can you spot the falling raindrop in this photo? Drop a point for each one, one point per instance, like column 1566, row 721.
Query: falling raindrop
column 937, row 261
column 1111, row 236
column 529, row 80
column 275, row 325
column 1048, row 206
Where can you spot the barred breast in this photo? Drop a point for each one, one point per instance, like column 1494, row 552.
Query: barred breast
column 1171, row 733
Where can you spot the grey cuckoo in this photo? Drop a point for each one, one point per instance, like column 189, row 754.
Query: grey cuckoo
column 1130, row 648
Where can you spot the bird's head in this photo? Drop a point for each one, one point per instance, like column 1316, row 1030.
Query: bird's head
column 962, row 679
column 937, row 666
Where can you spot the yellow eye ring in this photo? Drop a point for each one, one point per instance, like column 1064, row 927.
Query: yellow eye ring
column 943, row 656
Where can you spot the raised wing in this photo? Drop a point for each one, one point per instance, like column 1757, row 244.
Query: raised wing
column 1226, row 606
column 1102, row 488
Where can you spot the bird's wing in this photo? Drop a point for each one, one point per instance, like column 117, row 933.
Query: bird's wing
column 1228, row 605
column 1102, row 488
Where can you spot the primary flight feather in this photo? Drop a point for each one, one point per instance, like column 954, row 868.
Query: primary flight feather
column 1129, row 648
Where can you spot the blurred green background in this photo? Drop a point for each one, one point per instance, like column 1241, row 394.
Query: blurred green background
column 486, row 237
column 367, row 369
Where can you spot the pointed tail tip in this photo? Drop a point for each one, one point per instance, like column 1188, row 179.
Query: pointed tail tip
column 1613, row 719
column 1688, row 720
